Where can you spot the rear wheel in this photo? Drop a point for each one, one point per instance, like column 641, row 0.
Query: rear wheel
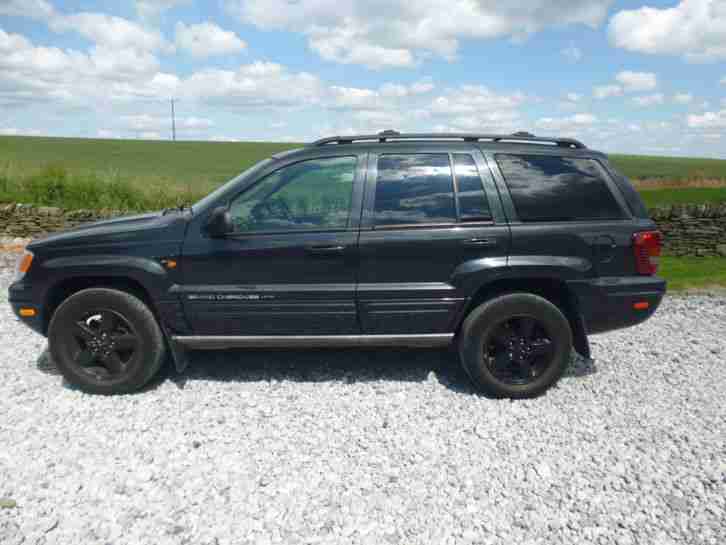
column 106, row 341
column 516, row 345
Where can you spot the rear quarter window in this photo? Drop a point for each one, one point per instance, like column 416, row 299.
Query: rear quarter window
column 552, row 188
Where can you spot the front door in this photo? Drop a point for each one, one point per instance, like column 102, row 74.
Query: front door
column 426, row 216
column 289, row 268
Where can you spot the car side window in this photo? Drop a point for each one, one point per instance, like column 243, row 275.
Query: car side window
column 415, row 188
column 309, row 195
column 473, row 204
column 552, row 188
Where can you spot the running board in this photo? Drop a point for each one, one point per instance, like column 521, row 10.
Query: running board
column 313, row 341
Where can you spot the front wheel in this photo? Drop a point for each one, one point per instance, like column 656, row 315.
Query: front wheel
column 106, row 341
column 515, row 346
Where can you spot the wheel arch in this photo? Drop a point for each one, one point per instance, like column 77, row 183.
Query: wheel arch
column 553, row 289
column 63, row 289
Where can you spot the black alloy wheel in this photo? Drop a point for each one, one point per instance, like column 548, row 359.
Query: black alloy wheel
column 515, row 345
column 518, row 350
column 106, row 341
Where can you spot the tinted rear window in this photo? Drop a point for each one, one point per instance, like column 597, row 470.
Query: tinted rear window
column 550, row 188
column 414, row 189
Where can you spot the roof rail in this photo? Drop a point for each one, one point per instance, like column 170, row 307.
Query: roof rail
column 390, row 135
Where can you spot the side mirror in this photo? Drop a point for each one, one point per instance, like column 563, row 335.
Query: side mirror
column 219, row 223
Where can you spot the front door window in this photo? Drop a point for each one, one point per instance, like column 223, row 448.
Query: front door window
column 309, row 195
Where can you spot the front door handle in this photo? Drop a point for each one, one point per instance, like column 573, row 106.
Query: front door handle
column 480, row 242
column 325, row 250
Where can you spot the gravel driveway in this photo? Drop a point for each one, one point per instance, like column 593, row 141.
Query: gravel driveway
column 374, row 447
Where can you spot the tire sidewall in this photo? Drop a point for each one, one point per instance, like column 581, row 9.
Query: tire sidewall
column 144, row 363
column 489, row 315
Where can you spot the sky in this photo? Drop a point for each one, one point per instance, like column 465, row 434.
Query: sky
column 623, row 76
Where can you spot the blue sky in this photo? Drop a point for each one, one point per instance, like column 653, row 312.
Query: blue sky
column 624, row 76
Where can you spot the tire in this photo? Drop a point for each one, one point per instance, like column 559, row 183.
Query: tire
column 106, row 341
column 489, row 332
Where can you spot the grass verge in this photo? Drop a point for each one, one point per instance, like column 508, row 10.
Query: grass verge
column 693, row 273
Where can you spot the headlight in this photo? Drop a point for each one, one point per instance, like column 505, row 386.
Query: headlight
column 23, row 264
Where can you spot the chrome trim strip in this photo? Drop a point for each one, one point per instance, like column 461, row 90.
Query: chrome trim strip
column 211, row 342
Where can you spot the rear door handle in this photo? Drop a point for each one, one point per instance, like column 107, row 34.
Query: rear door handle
column 480, row 242
column 325, row 250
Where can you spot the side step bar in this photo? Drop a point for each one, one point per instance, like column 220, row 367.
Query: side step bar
column 313, row 341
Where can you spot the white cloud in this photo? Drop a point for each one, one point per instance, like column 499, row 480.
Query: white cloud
column 567, row 125
column 387, row 95
column 606, row 91
column 260, row 84
column 207, row 39
column 146, row 122
column 31, row 73
column 573, row 97
column 708, row 120
column 463, row 108
column 637, row 81
column 12, row 131
column 649, row 100
column 572, row 53
column 723, row 80
column 474, row 99
column 424, row 86
column 627, row 82
column 683, row 98
column 694, row 29
column 149, row 9
column 353, row 98
column 111, row 31
column 345, row 46
column 402, row 33
column 107, row 133
column 35, row 9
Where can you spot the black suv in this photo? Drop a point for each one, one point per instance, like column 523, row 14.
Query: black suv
column 513, row 247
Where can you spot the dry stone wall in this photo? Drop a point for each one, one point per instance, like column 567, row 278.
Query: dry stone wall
column 696, row 230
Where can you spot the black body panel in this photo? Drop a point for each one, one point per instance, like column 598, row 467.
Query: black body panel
column 269, row 284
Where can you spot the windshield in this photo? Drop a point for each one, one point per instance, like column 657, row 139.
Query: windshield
column 214, row 195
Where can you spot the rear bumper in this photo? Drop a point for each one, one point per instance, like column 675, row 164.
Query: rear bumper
column 608, row 303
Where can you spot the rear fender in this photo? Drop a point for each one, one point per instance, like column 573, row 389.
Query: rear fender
column 482, row 279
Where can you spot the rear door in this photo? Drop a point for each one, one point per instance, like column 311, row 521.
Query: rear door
column 564, row 210
column 424, row 215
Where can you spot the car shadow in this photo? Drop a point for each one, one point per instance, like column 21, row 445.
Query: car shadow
column 324, row 365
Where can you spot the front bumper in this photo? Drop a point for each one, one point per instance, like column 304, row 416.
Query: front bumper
column 20, row 296
column 608, row 303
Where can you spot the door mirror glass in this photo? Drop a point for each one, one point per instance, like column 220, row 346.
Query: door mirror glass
column 219, row 223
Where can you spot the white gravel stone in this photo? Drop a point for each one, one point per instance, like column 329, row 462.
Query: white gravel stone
column 374, row 447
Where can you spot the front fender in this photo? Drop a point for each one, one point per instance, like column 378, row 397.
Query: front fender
column 148, row 272
column 40, row 288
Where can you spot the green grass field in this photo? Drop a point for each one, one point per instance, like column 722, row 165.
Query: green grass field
column 693, row 273
column 640, row 167
column 137, row 174
column 683, row 195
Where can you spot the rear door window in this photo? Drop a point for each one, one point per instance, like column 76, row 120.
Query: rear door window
column 414, row 189
column 551, row 188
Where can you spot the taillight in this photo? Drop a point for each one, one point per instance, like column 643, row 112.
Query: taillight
column 646, row 247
